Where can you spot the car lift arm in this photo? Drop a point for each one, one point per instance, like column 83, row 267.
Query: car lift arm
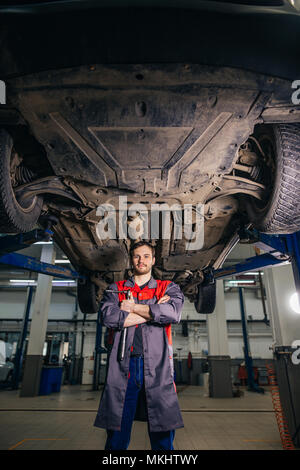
column 11, row 243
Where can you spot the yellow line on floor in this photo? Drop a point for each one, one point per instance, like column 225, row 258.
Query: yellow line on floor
column 36, row 439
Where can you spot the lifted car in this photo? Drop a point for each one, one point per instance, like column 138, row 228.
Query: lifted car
column 163, row 103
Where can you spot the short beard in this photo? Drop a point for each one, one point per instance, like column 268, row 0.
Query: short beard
column 137, row 271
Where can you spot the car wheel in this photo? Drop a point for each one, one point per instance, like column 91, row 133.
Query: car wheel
column 15, row 216
column 87, row 296
column 206, row 298
column 279, row 211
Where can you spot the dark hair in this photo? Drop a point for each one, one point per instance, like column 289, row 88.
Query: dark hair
column 141, row 243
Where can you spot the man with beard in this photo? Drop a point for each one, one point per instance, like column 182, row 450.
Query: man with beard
column 141, row 385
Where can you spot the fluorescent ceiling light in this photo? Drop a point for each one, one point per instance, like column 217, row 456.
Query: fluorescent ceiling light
column 240, row 281
column 23, row 283
column 250, row 273
column 33, row 282
column 64, row 283
column 62, row 261
column 43, row 243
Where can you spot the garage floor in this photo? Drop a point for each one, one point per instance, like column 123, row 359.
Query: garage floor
column 65, row 421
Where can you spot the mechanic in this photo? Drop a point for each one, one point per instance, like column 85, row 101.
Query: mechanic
column 141, row 386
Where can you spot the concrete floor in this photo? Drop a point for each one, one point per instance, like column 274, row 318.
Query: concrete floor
column 65, row 421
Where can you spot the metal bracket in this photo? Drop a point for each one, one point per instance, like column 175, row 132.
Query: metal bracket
column 48, row 185
column 18, row 242
column 278, row 250
column 11, row 243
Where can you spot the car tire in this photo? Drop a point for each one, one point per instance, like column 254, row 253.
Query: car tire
column 14, row 217
column 206, row 298
column 280, row 213
column 87, row 296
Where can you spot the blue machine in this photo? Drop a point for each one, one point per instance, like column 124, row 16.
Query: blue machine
column 51, row 379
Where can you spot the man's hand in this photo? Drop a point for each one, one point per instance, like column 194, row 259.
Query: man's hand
column 164, row 299
column 134, row 319
column 138, row 313
column 128, row 304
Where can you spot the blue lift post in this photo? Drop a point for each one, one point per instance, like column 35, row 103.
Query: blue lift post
column 99, row 350
column 252, row 386
column 20, row 348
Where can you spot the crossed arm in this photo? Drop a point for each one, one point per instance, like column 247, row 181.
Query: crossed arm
column 138, row 313
column 119, row 315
